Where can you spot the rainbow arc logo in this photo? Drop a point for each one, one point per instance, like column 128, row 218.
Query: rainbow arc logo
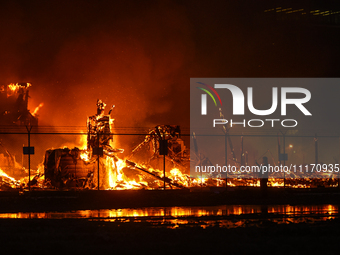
column 204, row 97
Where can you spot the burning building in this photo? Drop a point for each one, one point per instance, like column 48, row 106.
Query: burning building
column 14, row 105
column 14, row 112
column 74, row 167
column 163, row 140
column 98, row 166
column 160, row 160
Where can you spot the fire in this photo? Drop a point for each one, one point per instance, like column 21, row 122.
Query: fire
column 3, row 174
column 7, row 182
column 82, row 142
column 117, row 178
column 114, row 176
column 276, row 183
column 14, row 88
column 96, row 156
column 85, row 156
column 37, row 109
column 177, row 176
column 199, row 181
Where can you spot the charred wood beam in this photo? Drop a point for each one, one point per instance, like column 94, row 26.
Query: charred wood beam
column 133, row 165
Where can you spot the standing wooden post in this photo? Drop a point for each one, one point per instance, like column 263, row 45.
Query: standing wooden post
column 163, row 150
column 29, row 128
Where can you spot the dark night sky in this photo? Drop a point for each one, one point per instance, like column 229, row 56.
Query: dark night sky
column 140, row 55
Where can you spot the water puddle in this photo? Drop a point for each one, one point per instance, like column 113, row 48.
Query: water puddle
column 228, row 216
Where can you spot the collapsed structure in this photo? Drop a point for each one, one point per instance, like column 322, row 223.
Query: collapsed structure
column 148, row 152
column 99, row 167
column 14, row 112
column 74, row 167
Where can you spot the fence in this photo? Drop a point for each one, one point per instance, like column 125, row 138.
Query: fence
column 299, row 152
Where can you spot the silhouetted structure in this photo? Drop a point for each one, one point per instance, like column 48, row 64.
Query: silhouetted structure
column 14, row 105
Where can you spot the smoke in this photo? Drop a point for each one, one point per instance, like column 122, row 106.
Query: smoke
column 124, row 55
column 129, row 55
column 140, row 56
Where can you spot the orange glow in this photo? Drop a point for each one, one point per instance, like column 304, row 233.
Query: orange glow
column 178, row 217
column 114, row 178
column 14, row 88
column 3, row 174
column 37, row 109
column 85, row 156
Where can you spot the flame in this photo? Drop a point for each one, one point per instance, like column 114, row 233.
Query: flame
column 3, row 174
column 15, row 87
column 276, row 183
column 82, row 142
column 85, row 155
column 177, row 175
column 117, row 178
column 37, row 109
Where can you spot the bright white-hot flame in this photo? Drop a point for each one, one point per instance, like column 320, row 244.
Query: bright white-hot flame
column 14, row 87
column 199, row 181
column 120, row 164
column 83, row 142
column 85, row 156
column 3, row 174
column 175, row 172
column 178, row 176
column 117, row 179
column 110, row 164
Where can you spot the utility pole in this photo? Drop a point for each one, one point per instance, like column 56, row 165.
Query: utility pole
column 163, row 150
column 99, row 152
column 29, row 128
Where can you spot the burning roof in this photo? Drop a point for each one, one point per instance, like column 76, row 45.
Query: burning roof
column 14, row 105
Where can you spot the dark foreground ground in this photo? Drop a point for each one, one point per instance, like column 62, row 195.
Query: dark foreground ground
column 67, row 236
column 36, row 201
column 90, row 236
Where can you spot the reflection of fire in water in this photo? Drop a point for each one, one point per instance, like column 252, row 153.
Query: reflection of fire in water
column 223, row 216
column 197, row 211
